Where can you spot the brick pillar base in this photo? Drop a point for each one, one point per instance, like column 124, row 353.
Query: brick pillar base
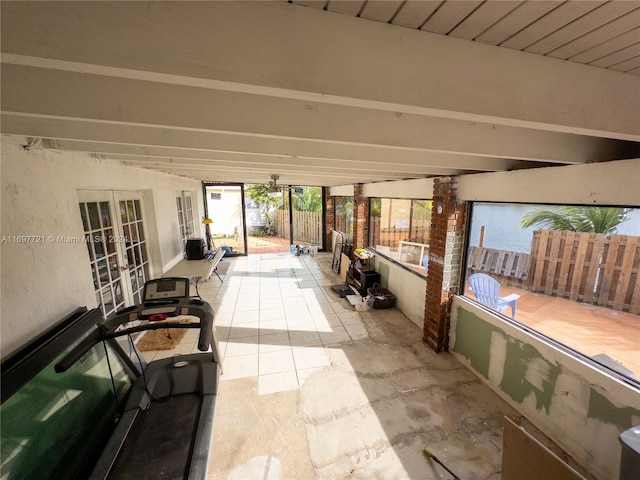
column 446, row 242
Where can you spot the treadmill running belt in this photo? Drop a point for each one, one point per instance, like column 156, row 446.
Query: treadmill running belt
column 160, row 442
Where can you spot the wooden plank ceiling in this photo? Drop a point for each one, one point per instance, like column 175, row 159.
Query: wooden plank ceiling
column 325, row 92
column 604, row 34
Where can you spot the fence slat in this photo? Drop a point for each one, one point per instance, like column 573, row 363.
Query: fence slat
column 540, row 256
column 625, row 272
column 566, row 264
column 552, row 263
column 634, row 305
column 578, row 269
column 593, row 272
column 608, row 270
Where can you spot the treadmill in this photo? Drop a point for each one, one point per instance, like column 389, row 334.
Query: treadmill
column 98, row 410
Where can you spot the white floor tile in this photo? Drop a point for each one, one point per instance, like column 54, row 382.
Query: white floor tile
column 296, row 311
column 240, row 367
column 277, row 382
column 273, row 326
column 306, row 373
column 239, row 330
column 276, row 362
column 273, row 301
column 337, row 335
column 267, row 314
column 274, row 342
column 304, row 339
column 241, row 346
column 246, row 317
column 326, row 322
column 310, row 357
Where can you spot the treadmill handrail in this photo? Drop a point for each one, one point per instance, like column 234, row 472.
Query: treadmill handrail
column 109, row 329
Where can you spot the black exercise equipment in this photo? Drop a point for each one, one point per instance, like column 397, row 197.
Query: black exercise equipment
column 80, row 402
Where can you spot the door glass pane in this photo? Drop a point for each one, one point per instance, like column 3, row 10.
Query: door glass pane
column 306, row 205
column 105, row 214
column 99, row 247
column 83, row 215
column 127, row 233
column 94, row 216
column 140, row 230
column 133, row 232
column 111, row 247
column 123, row 212
column 224, row 204
column 134, row 280
column 107, row 298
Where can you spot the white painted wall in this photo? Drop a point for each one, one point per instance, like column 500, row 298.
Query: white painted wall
column 421, row 188
column 408, row 288
column 342, row 191
column 570, row 420
column 41, row 282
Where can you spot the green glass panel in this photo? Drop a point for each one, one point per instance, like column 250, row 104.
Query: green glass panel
column 51, row 424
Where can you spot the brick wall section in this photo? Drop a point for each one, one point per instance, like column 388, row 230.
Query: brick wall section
column 360, row 218
column 446, row 245
column 329, row 219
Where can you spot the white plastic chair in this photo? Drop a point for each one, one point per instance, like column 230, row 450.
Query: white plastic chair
column 487, row 290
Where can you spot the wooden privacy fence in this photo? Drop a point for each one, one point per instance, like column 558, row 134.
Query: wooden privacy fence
column 512, row 265
column 584, row 267
column 307, row 226
column 587, row 267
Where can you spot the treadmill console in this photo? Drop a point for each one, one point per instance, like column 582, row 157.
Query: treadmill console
column 167, row 290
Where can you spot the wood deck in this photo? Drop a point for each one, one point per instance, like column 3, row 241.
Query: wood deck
column 587, row 328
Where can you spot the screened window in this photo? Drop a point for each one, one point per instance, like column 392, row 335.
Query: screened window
column 569, row 272
column 343, row 216
column 184, row 206
column 399, row 229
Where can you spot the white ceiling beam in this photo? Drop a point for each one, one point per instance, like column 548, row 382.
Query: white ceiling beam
column 347, row 168
column 216, row 142
column 185, row 155
column 309, row 53
column 140, row 103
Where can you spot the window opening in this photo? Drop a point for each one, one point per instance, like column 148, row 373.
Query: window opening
column 567, row 272
column 399, row 229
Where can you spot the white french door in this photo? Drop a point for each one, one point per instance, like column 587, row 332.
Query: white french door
column 117, row 246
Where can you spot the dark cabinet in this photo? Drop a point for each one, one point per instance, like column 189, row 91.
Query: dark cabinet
column 365, row 279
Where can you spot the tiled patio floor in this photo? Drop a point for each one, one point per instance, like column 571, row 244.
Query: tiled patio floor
column 312, row 389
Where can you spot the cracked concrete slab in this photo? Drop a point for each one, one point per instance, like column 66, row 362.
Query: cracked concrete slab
column 367, row 415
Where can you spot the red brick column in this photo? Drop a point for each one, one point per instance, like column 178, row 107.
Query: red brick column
column 446, row 243
column 360, row 218
column 329, row 218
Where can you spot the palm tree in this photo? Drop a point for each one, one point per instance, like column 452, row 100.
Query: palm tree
column 261, row 196
column 310, row 200
column 577, row 219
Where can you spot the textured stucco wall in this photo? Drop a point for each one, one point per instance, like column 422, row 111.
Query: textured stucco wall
column 580, row 408
column 44, row 279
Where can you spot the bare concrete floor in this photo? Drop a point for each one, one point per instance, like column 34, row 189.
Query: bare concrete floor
column 364, row 399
